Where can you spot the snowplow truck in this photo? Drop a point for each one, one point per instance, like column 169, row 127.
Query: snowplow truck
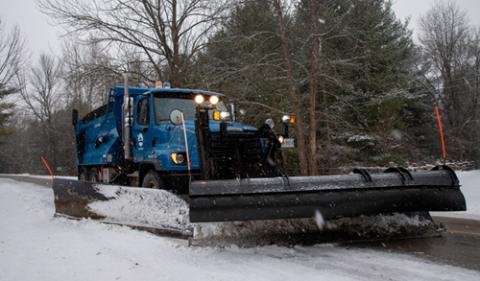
column 188, row 142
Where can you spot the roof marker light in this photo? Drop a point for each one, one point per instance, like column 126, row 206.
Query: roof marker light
column 214, row 100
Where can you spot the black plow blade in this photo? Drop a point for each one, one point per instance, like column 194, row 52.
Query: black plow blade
column 395, row 191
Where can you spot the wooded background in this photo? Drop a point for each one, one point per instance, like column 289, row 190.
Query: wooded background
column 362, row 89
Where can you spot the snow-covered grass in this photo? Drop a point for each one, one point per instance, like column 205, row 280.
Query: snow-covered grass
column 36, row 246
column 470, row 182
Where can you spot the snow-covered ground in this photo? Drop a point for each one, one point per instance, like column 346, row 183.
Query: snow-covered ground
column 36, row 246
column 470, row 182
column 39, row 176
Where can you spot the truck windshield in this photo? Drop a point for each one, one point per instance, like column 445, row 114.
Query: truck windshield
column 165, row 105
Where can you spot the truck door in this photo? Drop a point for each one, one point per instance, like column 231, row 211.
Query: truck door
column 141, row 138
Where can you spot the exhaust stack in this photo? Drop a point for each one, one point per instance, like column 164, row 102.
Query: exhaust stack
column 126, row 119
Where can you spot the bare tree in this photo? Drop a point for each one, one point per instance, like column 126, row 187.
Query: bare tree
column 11, row 54
column 167, row 32
column 89, row 72
column 473, row 77
column 11, row 58
column 449, row 47
column 42, row 96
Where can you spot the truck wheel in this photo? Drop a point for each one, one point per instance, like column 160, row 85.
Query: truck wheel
column 82, row 174
column 93, row 175
column 152, row 180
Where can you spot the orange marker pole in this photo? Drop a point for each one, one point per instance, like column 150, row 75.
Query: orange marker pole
column 442, row 137
column 45, row 163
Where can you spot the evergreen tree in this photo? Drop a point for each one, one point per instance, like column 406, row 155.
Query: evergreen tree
column 241, row 58
column 358, row 89
column 365, row 76
column 5, row 110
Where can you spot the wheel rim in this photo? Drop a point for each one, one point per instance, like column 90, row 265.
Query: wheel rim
column 93, row 176
column 82, row 176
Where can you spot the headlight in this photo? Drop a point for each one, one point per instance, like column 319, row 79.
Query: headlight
column 214, row 100
column 224, row 115
column 199, row 99
column 281, row 139
column 178, row 158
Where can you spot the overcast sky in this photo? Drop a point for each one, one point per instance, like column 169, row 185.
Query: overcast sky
column 42, row 35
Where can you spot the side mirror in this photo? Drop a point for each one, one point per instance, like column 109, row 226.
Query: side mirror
column 289, row 119
column 176, row 117
column 232, row 111
column 74, row 117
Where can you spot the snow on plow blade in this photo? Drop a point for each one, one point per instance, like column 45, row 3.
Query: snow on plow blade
column 395, row 191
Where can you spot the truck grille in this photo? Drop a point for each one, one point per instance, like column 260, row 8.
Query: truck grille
column 235, row 154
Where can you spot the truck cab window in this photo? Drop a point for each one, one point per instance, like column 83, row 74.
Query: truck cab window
column 143, row 112
column 165, row 105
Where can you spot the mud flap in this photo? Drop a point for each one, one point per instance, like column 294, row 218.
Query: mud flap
column 395, row 191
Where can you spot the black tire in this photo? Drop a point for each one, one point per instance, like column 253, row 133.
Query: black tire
column 82, row 174
column 152, row 180
column 93, row 175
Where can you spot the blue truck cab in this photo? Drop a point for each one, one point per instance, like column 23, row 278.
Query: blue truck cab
column 204, row 142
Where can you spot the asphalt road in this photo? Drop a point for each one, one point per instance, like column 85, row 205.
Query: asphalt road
column 458, row 246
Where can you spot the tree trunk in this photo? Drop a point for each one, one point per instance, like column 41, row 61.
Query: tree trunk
column 314, row 54
column 292, row 90
column 174, row 79
column 312, row 161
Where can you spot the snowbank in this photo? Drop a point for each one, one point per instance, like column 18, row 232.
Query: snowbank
column 470, row 181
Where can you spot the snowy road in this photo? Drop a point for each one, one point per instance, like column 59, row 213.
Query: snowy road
column 36, row 246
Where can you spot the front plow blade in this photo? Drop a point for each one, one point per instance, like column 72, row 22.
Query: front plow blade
column 395, row 191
